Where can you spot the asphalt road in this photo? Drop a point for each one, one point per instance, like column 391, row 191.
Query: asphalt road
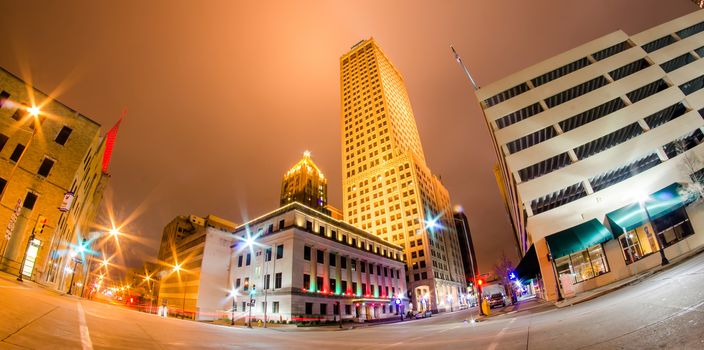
column 665, row 310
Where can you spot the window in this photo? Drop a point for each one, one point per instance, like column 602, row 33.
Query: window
column 424, row 275
column 348, row 309
column 333, row 285
column 3, row 97
column 362, row 266
column 3, row 141
column 19, row 114
column 333, row 261
column 306, row 253
column 320, row 256
column 239, row 261
column 3, row 182
column 280, row 251
column 277, row 280
column 309, row 308
column 583, row 265
column 281, row 224
column 319, row 283
column 323, row 308
column 267, row 281
column 29, row 200
column 275, row 307
column 238, row 283
column 246, row 283
column 343, row 286
column 354, row 287
column 322, row 231
column 364, row 288
column 673, row 227
column 267, row 254
column 249, row 259
column 63, row 135
column 353, row 264
column 306, row 281
column 309, row 226
column 343, row 262
column 386, row 272
column 46, row 166
column 17, row 153
column 244, row 306
column 378, row 270
column 371, row 268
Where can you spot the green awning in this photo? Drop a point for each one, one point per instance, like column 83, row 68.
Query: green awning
column 577, row 238
column 659, row 204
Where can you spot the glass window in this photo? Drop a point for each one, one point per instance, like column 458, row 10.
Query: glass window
column 279, row 251
column 277, row 280
column 306, row 253
column 584, row 264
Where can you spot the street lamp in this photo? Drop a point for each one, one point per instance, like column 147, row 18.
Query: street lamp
column 642, row 199
column 249, row 243
column 251, row 304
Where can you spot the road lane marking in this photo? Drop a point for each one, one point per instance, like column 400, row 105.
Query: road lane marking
column 495, row 343
column 85, row 335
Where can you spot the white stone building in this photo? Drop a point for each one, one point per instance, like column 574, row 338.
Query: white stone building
column 305, row 265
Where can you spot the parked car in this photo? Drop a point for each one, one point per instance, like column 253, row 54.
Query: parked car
column 496, row 299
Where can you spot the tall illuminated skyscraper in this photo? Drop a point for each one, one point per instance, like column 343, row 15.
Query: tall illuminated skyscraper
column 306, row 184
column 388, row 189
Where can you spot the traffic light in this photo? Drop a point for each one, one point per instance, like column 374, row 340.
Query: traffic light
column 39, row 227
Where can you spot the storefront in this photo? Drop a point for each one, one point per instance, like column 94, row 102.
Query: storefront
column 628, row 241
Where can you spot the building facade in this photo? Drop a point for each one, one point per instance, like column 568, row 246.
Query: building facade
column 305, row 183
column 600, row 152
column 464, row 234
column 52, row 176
column 194, row 255
column 388, row 190
column 304, row 265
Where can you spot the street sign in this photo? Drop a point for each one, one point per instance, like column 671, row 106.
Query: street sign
column 68, row 200
column 13, row 219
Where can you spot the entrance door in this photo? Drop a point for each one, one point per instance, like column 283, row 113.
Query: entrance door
column 31, row 258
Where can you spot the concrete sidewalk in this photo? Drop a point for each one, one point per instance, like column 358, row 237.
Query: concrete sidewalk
column 595, row 293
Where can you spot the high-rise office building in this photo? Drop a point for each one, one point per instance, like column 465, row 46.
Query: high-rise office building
column 469, row 257
column 599, row 150
column 306, row 184
column 388, row 189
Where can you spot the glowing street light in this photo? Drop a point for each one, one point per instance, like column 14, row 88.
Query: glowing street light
column 33, row 111
column 114, row 232
column 177, row 268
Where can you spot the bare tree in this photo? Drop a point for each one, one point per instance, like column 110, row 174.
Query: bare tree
column 502, row 268
column 691, row 165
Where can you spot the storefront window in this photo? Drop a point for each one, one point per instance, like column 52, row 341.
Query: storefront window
column 584, row 264
column 642, row 241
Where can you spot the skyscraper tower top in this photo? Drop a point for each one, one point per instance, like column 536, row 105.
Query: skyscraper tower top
column 306, row 184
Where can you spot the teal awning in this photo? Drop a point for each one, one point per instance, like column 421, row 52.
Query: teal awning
column 577, row 238
column 659, row 204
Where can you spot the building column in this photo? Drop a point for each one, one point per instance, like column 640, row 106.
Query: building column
column 313, row 270
column 349, row 275
column 338, row 277
column 359, row 278
column 369, row 280
column 326, row 271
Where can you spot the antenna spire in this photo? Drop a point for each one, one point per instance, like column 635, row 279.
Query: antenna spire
column 466, row 71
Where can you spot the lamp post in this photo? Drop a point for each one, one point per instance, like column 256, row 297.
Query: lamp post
column 249, row 243
column 74, row 256
column 251, row 304
column 663, row 258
